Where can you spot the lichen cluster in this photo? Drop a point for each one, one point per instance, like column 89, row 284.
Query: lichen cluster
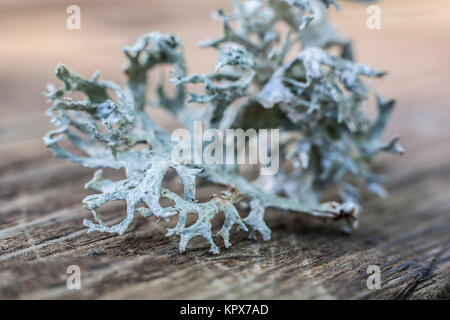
column 275, row 70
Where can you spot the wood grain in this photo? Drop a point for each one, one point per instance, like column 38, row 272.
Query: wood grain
column 406, row 234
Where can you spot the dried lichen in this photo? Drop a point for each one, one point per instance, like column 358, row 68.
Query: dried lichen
column 313, row 97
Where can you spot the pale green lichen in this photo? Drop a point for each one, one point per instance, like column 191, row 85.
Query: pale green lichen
column 314, row 98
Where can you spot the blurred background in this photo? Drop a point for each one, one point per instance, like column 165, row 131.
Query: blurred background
column 413, row 44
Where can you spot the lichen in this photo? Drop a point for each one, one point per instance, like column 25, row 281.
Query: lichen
column 312, row 96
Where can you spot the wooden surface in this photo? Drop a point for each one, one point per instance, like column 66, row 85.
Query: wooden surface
column 41, row 233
